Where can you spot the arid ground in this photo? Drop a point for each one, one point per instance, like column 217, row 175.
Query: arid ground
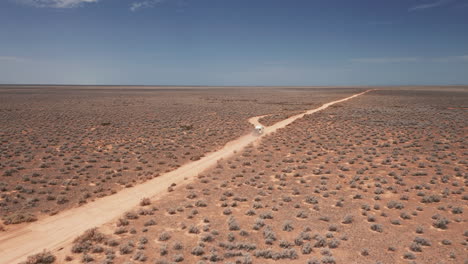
column 379, row 178
column 65, row 146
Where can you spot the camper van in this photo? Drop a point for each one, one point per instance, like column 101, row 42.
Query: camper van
column 259, row 129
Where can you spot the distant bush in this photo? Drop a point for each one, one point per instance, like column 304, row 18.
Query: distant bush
column 431, row 199
column 311, row 200
column 198, row 251
column 287, row 226
column 145, row 202
column 178, row 258
column 164, row 236
column 150, row 222
column 90, row 235
column 377, row 228
column 126, row 248
column 306, row 248
column 441, row 223
column 409, row 255
column 348, row 219
column 457, row 210
column 233, row 225
column 44, row 257
column 17, row 218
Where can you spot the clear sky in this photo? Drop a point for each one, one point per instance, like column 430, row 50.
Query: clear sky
column 234, row 42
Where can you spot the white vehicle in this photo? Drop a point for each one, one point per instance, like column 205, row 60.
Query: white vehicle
column 259, row 129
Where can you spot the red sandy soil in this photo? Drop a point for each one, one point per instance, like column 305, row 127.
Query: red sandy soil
column 57, row 231
column 62, row 147
column 378, row 179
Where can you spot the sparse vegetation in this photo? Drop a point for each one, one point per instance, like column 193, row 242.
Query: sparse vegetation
column 44, row 257
column 377, row 168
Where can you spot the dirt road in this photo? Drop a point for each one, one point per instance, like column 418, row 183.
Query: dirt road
column 58, row 231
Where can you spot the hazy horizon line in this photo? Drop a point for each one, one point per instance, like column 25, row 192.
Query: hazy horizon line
column 239, row 86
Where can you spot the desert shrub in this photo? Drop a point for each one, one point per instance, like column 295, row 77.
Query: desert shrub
column 62, row 200
column 207, row 238
column 233, row 225
column 441, row 223
column 17, row 218
column 87, row 258
column 194, row 230
column 348, row 219
column 285, row 244
column 44, row 257
column 164, row 236
column 90, row 235
column 395, row 204
column 198, row 251
column 259, row 223
column 140, row 256
column 178, row 258
column 405, row 216
column 422, row 241
column 145, row 202
column 120, row 230
column 377, row 228
column 305, row 235
column 163, row 250
column 415, row 247
column 313, row 261
column 244, row 233
column 150, row 222
column 320, row 242
column 269, row 235
column 178, row 246
column 201, row 203
column 143, row 240
column 81, row 247
column 306, row 248
column 409, row 255
column 431, row 199
column 269, row 254
column 334, row 243
column 457, row 210
column 227, row 211
column 266, row 215
column 126, row 248
column 324, row 218
column 250, row 212
column 298, row 241
column 287, row 226
column 311, row 200
column 328, row 260
column 97, row 249
column 131, row 215
column 231, row 237
column 419, row 230
column 446, row 242
column 238, row 246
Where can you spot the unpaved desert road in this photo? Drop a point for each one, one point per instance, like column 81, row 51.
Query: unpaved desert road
column 58, row 231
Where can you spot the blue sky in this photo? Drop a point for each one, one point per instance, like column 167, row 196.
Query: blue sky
column 234, row 42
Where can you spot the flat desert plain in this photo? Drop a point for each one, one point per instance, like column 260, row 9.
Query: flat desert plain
column 176, row 175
